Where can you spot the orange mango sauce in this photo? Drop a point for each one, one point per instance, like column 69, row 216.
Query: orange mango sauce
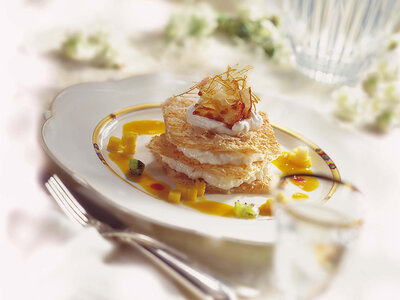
column 300, row 196
column 146, row 181
column 288, row 167
column 149, row 127
column 265, row 209
column 212, row 207
column 158, row 188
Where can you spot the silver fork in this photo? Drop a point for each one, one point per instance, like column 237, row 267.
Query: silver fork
column 198, row 281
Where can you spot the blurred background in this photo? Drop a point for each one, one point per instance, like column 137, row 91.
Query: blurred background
column 48, row 45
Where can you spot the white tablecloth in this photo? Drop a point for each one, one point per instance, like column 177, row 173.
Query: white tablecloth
column 45, row 256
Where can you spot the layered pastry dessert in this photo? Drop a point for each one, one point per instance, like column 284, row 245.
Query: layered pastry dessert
column 215, row 134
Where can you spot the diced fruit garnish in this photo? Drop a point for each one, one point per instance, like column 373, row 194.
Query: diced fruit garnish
column 188, row 192
column 174, row 196
column 114, row 144
column 136, row 167
column 266, row 208
column 191, row 194
column 182, row 189
column 201, row 188
column 300, row 157
column 129, row 142
column 244, row 211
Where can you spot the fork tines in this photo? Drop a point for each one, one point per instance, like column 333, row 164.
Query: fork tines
column 66, row 200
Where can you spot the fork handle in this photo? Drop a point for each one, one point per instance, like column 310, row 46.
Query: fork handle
column 197, row 280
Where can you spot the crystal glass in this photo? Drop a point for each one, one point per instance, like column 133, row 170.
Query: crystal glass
column 313, row 236
column 335, row 40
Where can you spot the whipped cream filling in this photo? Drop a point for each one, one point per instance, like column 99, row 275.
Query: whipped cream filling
column 222, row 158
column 221, row 182
column 253, row 123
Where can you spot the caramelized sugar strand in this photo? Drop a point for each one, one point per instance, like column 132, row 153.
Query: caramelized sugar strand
column 225, row 97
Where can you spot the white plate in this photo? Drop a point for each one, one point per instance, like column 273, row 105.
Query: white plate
column 79, row 126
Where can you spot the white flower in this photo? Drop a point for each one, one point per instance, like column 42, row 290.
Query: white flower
column 94, row 49
column 196, row 21
column 388, row 71
column 349, row 103
column 375, row 102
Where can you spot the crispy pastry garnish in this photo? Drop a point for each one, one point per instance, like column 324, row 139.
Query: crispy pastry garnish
column 225, row 97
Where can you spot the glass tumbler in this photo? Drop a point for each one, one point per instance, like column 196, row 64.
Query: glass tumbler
column 313, row 237
column 335, row 40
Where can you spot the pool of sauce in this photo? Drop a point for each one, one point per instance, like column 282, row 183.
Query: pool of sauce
column 288, row 167
column 155, row 187
column 142, row 127
column 300, row 196
column 265, row 209
column 211, row 207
